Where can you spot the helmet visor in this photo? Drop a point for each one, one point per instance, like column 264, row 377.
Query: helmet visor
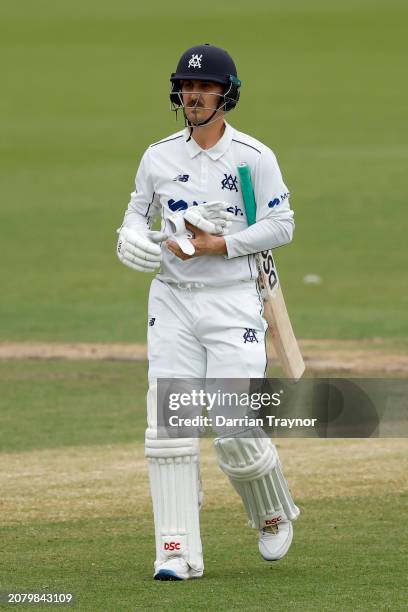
column 188, row 76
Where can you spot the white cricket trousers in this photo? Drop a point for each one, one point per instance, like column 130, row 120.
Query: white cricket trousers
column 193, row 332
column 206, row 332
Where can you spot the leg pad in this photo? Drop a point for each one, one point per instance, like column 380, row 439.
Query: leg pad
column 252, row 464
column 176, row 494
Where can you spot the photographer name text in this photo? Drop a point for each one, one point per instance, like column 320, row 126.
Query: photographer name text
column 269, row 420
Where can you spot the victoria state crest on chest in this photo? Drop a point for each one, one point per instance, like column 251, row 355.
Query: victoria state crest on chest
column 230, row 182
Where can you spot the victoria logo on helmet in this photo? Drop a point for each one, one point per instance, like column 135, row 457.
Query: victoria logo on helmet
column 195, row 61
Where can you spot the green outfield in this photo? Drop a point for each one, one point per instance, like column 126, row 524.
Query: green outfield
column 76, row 515
column 84, row 91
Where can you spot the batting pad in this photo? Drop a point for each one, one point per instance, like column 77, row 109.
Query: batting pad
column 252, row 464
column 176, row 495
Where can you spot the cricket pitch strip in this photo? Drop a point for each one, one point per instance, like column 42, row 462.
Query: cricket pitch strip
column 375, row 355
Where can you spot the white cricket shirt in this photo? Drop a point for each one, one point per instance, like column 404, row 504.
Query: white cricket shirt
column 176, row 173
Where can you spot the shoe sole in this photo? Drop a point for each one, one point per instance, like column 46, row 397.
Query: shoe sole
column 167, row 575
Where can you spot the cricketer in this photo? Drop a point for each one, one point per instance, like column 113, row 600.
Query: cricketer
column 205, row 313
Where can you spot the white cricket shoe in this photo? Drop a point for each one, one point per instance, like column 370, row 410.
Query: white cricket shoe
column 176, row 569
column 275, row 540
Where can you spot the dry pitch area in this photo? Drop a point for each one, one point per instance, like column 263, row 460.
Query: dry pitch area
column 376, row 355
column 111, row 481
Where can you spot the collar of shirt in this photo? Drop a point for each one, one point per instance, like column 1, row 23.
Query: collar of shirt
column 216, row 151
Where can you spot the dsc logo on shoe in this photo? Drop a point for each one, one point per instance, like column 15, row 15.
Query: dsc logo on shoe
column 172, row 546
column 276, row 519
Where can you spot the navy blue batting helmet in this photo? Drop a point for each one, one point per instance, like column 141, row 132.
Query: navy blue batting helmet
column 207, row 63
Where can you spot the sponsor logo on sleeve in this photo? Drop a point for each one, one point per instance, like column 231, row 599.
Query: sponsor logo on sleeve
column 278, row 200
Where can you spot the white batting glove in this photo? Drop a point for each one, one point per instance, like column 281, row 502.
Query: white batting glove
column 211, row 217
column 180, row 234
column 139, row 249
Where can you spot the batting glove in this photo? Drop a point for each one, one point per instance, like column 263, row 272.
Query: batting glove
column 139, row 249
column 211, row 217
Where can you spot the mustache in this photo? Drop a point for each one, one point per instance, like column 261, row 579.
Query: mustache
column 199, row 106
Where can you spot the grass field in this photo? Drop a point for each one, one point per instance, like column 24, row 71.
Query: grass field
column 84, row 91
column 76, row 515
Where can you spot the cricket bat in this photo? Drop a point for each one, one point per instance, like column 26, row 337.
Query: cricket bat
column 283, row 338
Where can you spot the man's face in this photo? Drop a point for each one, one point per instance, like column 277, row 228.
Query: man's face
column 200, row 99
